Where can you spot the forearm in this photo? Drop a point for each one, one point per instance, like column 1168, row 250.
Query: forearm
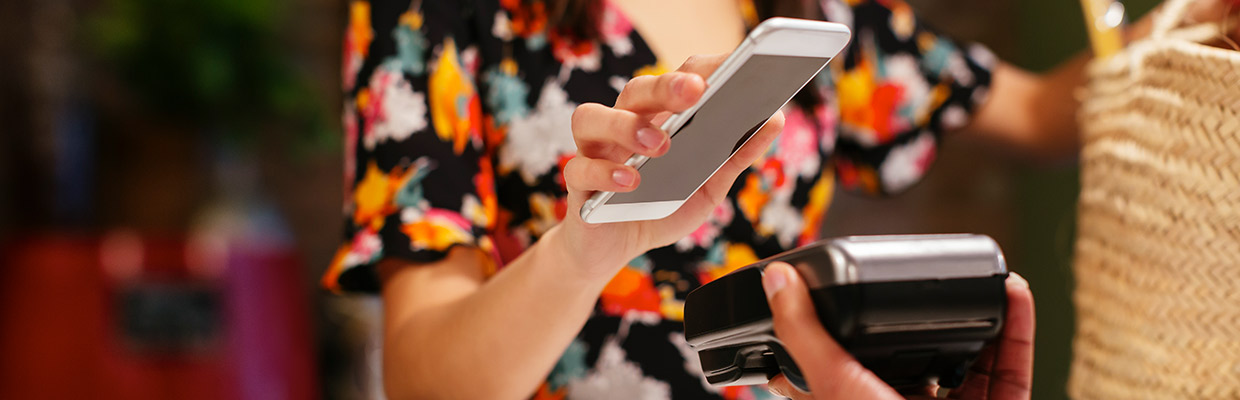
column 499, row 341
column 1033, row 115
column 1036, row 114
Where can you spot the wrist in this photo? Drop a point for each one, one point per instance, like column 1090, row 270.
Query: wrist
column 572, row 256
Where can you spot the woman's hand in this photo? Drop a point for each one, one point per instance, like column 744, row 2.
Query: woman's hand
column 606, row 137
column 1003, row 371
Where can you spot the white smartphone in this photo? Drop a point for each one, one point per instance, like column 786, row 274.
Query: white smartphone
column 777, row 59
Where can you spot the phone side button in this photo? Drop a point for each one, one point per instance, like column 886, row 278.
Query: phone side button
column 585, row 211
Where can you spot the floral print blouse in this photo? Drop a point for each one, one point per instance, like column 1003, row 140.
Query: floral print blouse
column 457, row 127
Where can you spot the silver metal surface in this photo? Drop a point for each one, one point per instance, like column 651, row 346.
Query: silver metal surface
column 757, row 331
column 926, row 326
column 868, row 259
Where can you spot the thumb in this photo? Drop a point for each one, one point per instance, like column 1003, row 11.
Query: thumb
column 831, row 372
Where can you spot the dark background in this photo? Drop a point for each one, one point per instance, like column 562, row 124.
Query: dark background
column 170, row 191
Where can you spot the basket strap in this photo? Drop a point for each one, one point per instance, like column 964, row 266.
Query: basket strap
column 1170, row 16
column 1202, row 32
column 1170, row 23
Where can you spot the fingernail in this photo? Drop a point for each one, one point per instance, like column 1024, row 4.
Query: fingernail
column 678, row 85
column 622, row 177
column 774, row 279
column 649, row 138
column 1017, row 281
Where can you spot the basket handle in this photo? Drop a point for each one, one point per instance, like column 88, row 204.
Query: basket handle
column 1169, row 17
column 1172, row 16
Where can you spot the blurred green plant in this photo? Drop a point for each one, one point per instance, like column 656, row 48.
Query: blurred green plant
column 218, row 64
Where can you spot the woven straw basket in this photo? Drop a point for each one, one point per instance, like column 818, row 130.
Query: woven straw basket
column 1158, row 248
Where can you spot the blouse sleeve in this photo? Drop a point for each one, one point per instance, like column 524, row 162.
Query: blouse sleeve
column 901, row 86
column 418, row 180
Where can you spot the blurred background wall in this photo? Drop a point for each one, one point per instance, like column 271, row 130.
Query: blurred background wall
column 170, row 184
column 169, row 191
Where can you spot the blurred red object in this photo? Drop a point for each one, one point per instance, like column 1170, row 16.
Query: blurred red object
column 131, row 317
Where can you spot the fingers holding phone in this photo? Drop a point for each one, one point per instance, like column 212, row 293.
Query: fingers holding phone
column 631, row 189
column 615, row 134
column 703, row 65
column 720, row 126
column 607, row 136
column 632, row 126
column 653, row 94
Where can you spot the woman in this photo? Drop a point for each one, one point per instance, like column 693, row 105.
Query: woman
column 468, row 156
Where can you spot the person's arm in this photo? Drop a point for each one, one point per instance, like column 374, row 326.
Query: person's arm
column 1035, row 114
column 450, row 330
column 450, row 333
column 447, row 333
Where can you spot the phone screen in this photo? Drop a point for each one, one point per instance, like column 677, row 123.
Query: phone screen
column 755, row 91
